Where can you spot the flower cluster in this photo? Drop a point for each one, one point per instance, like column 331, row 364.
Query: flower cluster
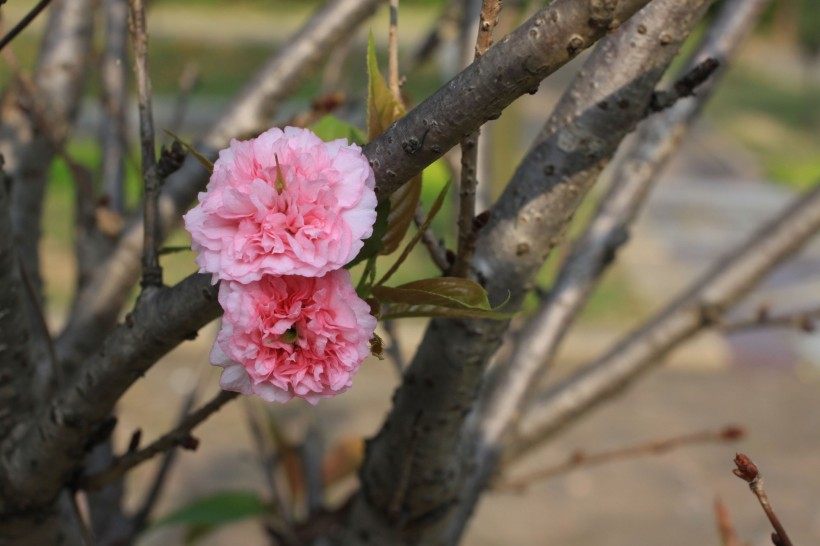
column 281, row 215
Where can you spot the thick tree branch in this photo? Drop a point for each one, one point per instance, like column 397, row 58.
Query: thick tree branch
column 698, row 308
column 442, row 382
column 15, row 369
column 657, row 138
column 512, row 67
column 35, row 468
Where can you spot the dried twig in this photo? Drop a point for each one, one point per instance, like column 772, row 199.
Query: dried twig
column 393, row 50
column 180, row 436
column 580, row 459
column 188, row 81
column 728, row 535
column 436, row 250
column 151, row 270
column 746, row 470
column 469, row 154
column 24, row 22
column 394, row 347
column 802, row 320
column 140, row 519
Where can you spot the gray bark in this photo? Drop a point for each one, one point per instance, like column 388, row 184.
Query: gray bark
column 36, row 119
column 595, row 250
column 37, row 466
column 698, row 308
column 422, row 438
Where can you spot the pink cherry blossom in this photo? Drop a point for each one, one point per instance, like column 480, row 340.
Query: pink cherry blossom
column 284, row 203
column 292, row 336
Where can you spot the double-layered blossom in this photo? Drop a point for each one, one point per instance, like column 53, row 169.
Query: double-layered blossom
column 284, row 203
column 292, row 336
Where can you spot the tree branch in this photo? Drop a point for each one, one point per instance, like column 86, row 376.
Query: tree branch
column 724, row 284
column 469, row 154
column 581, row 459
column 443, row 380
column 23, row 23
column 802, row 320
column 747, row 471
column 16, row 371
column 151, row 270
column 36, row 467
column 657, row 138
column 180, row 436
column 113, row 76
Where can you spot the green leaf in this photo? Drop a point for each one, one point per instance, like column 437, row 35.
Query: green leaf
column 331, row 128
column 373, row 245
column 193, row 151
column 383, row 108
column 403, row 204
column 442, row 297
column 419, row 233
column 208, row 513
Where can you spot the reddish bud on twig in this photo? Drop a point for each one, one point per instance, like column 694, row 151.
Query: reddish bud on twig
column 746, row 469
column 733, row 433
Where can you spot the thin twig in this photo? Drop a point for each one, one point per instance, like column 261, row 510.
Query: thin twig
column 180, row 436
column 728, row 535
column 188, row 81
column 24, row 22
column 37, row 309
column 580, row 459
column 802, row 320
column 685, row 86
column 469, row 155
column 746, row 470
column 394, row 347
column 268, row 462
column 436, row 250
column 393, row 50
column 87, row 536
column 151, row 270
column 141, row 516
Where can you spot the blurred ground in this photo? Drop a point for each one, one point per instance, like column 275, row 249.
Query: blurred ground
column 762, row 127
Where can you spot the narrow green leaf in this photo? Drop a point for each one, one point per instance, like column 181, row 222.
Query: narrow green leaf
column 441, row 297
column 193, row 151
column 373, row 245
column 383, row 108
column 405, row 310
column 403, row 204
column 417, row 237
column 217, row 510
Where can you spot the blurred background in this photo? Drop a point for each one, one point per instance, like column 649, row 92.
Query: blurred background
column 756, row 146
